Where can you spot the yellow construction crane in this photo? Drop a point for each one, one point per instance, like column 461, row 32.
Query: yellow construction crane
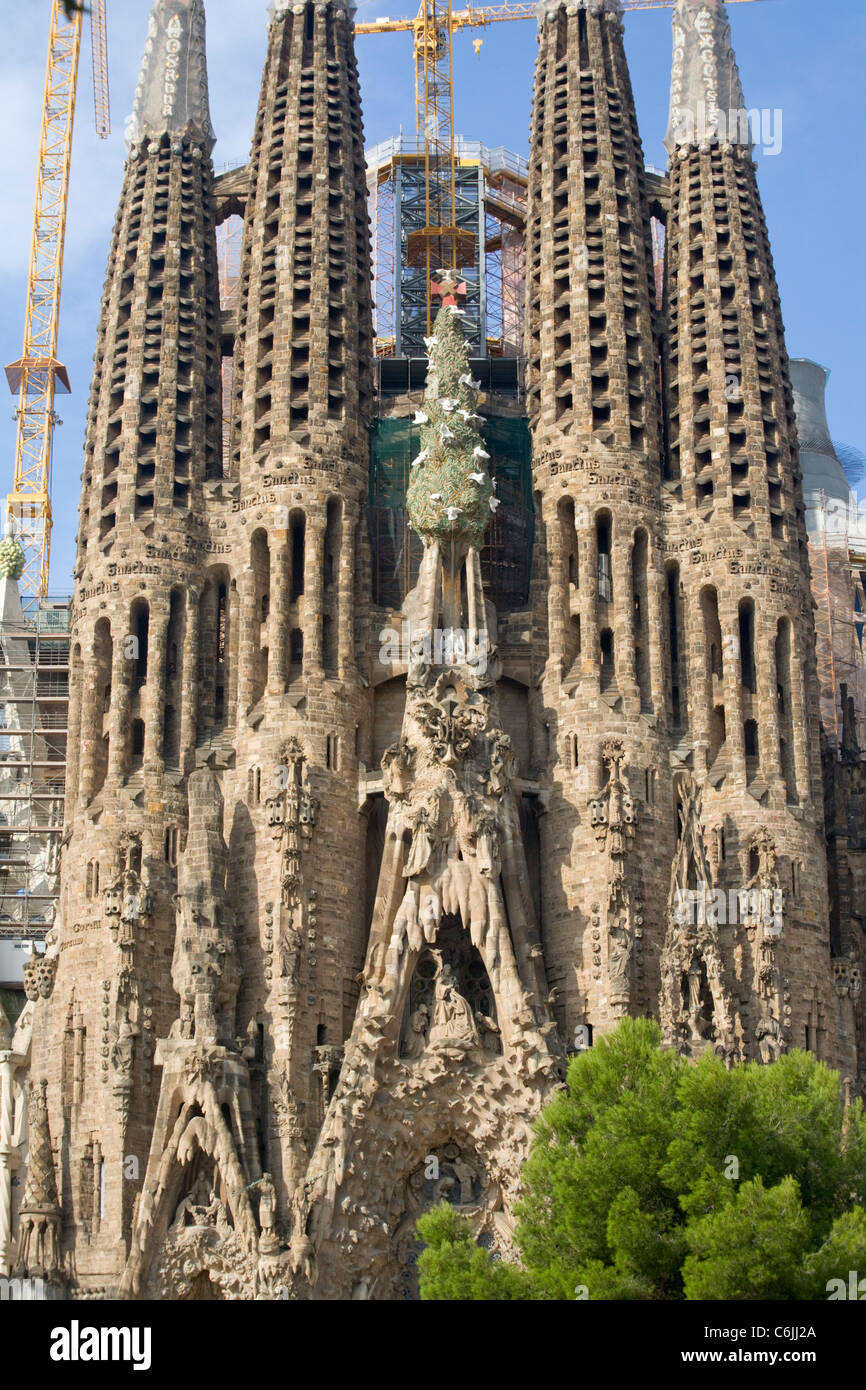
column 38, row 374
column 440, row 245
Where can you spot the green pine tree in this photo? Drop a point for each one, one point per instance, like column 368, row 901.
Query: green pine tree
column 653, row 1178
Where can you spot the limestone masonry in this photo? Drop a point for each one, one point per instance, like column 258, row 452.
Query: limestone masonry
column 329, row 925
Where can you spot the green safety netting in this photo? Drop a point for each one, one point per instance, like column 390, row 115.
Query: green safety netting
column 505, row 559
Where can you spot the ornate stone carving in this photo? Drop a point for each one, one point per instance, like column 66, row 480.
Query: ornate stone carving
column 39, row 1215
column 763, row 906
column 204, row 969
column 291, row 812
column 613, row 817
column 695, row 1005
column 454, row 981
column 39, row 972
column 847, row 977
column 612, row 813
column 126, row 898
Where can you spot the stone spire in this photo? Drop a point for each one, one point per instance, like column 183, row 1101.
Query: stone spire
column 305, row 269
column 39, row 1215
column 592, row 402
column 172, row 94
column 707, row 102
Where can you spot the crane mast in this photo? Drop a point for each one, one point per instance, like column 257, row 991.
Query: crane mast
column 38, row 374
column 99, row 56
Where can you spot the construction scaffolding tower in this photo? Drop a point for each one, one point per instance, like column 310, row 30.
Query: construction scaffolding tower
column 34, row 707
column 490, row 217
column 838, row 579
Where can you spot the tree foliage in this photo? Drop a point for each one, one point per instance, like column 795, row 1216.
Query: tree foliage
column 651, row 1177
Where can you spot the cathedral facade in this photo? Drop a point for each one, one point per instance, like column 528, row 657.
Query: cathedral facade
column 335, row 912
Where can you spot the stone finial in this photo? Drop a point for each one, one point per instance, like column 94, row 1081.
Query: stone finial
column 571, row 7
column 172, row 93
column 39, row 1214
column 278, row 8
column 707, row 102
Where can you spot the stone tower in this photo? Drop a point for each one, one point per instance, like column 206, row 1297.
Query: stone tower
column 152, row 456
column 592, row 390
column 298, row 991
column 744, row 718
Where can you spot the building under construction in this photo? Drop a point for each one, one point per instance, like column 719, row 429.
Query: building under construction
column 34, row 703
column 332, row 906
column 836, row 527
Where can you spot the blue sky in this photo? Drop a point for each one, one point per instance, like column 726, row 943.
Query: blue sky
column 806, row 57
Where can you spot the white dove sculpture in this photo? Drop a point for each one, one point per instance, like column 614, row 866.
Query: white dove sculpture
column 494, row 503
column 479, row 478
column 419, row 418
column 430, row 342
column 479, row 453
column 420, row 458
column 435, row 496
column 445, row 433
column 452, row 513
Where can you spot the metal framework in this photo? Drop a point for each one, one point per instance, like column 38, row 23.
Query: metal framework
column 99, row 53
column 383, row 198
column 437, row 243
column 489, row 215
column 34, row 705
column 38, row 374
column 840, row 601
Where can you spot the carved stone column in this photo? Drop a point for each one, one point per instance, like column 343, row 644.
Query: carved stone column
column 119, row 715
column 278, row 662
column 189, row 685
column 313, row 588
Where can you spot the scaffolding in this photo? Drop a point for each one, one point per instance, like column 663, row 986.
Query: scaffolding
column 838, row 580
column 489, row 219
column 34, row 707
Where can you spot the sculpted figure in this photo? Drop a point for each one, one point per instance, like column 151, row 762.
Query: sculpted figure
column 453, row 1023
column 619, row 953
column 123, row 1051
column 416, row 1040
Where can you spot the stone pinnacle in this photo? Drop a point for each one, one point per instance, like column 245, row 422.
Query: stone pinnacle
column 172, row 93
column 707, row 104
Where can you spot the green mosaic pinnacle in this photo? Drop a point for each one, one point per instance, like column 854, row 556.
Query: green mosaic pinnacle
column 450, row 493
